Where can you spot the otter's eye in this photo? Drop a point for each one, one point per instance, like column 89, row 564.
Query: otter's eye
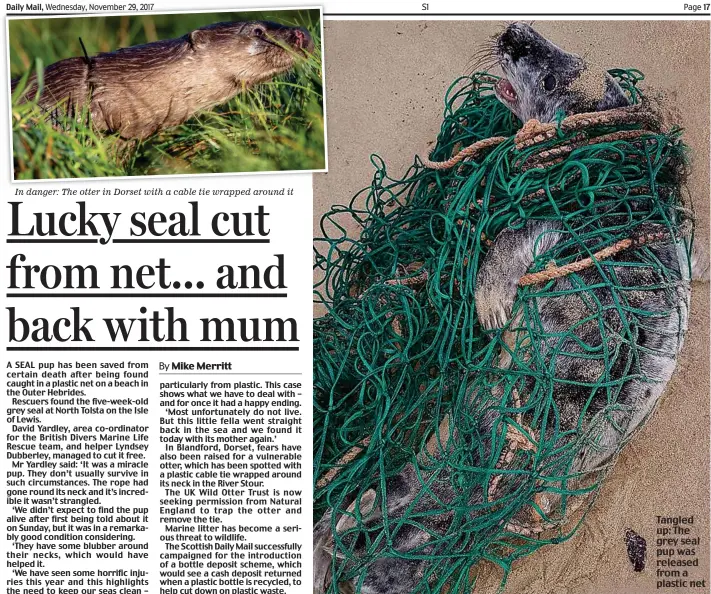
column 549, row 82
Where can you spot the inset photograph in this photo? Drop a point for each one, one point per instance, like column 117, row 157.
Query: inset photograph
column 162, row 94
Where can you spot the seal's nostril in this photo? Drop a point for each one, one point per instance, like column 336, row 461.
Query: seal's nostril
column 515, row 42
column 508, row 37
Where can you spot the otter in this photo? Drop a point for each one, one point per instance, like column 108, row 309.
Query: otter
column 420, row 503
column 138, row 91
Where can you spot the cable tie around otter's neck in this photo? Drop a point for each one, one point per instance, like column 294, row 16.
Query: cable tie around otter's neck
column 87, row 59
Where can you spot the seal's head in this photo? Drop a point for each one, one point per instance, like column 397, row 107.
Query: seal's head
column 252, row 51
column 541, row 79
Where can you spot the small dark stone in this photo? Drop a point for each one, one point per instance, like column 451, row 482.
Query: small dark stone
column 636, row 549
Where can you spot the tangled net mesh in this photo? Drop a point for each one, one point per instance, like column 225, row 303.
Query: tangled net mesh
column 408, row 384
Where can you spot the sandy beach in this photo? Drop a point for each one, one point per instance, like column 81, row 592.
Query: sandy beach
column 385, row 86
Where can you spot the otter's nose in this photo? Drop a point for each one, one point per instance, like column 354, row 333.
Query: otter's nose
column 302, row 40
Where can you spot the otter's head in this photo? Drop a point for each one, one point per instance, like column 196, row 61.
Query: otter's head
column 253, row 51
column 542, row 79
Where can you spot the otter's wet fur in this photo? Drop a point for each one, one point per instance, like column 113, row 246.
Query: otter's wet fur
column 421, row 503
column 141, row 90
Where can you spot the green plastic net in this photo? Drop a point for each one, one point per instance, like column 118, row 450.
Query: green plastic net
column 437, row 444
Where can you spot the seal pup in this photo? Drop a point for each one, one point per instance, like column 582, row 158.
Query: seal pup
column 540, row 81
column 141, row 90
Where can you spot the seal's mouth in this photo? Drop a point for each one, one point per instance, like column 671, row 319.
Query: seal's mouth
column 504, row 90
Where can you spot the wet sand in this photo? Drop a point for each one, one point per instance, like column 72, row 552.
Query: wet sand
column 385, row 86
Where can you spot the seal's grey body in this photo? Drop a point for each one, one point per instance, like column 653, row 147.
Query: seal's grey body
column 140, row 90
column 541, row 80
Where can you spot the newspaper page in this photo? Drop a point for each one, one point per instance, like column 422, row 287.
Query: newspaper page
column 157, row 330
column 374, row 298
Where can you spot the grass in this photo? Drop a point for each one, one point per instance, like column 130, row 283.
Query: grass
column 276, row 126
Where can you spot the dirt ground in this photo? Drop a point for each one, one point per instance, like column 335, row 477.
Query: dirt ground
column 385, row 83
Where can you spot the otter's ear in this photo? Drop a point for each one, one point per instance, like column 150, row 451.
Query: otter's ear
column 197, row 38
column 614, row 95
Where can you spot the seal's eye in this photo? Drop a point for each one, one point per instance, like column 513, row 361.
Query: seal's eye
column 549, row 82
